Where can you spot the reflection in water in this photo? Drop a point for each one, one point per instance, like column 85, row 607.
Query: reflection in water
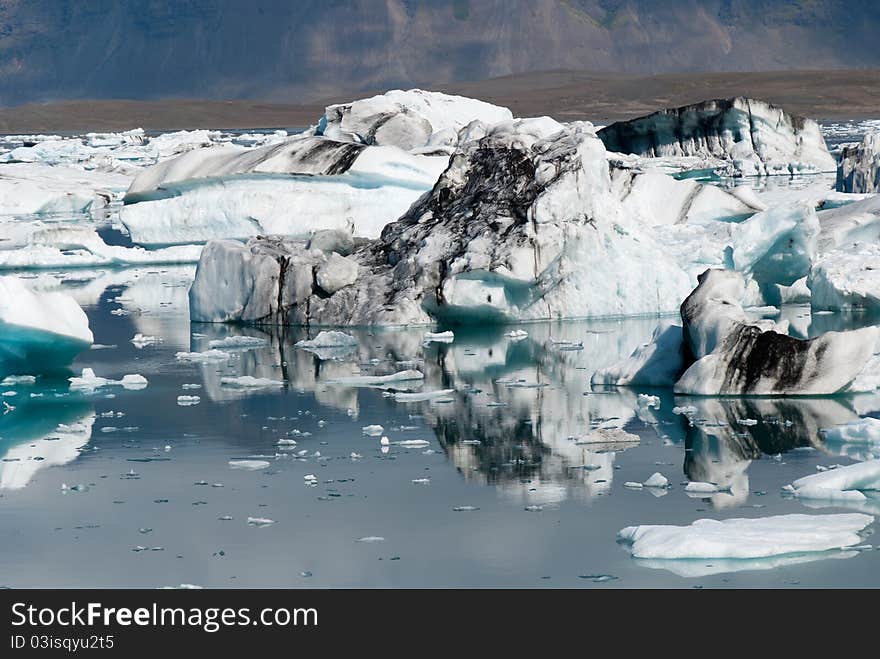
column 722, row 439
column 41, row 432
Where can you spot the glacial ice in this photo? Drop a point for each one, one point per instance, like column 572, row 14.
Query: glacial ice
column 658, row 363
column 569, row 249
column 840, row 482
column 290, row 188
column 42, row 330
column 89, row 382
column 862, row 431
column 752, row 136
column 409, row 119
column 859, row 167
column 761, row 537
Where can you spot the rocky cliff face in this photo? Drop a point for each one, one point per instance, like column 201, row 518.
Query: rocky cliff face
column 274, row 49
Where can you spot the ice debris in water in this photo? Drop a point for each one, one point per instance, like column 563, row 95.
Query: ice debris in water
column 207, row 356
column 142, row 341
column 516, row 335
column 249, row 381
column 371, row 538
column 373, row 380
column 464, row 509
column 238, row 342
column 88, row 381
column 403, row 397
column 439, row 337
column 649, row 401
column 187, row 401
column 697, row 487
column 13, row 380
column 840, row 484
column 746, row 538
column 260, row 521
column 252, row 465
column 328, row 339
column 374, row 430
column 413, row 443
column 862, row 431
column 657, row 480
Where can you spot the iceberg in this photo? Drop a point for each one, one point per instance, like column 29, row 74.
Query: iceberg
column 862, row 431
column 735, row 356
column 840, row 483
column 293, row 187
column 410, row 119
column 762, row 537
column 859, row 167
column 518, row 227
column 42, row 331
column 750, row 136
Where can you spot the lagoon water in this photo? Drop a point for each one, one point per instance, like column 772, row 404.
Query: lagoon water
column 121, row 487
column 124, row 487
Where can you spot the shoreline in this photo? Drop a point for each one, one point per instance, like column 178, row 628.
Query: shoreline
column 835, row 95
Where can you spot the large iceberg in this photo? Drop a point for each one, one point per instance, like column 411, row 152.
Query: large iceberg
column 750, row 137
column 293, row 187
column 859, row 167
column 39, row 331
column 522, row 225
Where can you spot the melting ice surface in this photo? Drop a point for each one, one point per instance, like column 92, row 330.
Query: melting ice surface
column 493, row 477
column 502, row 466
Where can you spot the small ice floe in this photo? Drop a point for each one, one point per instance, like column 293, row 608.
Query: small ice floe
column 412, row 443
column 374, row 430
column 140, row 341
column 88, row 381
column 371, row 538
column 286, row 442
column 657, row 480
column 516, row 335
column 747, row 422
column 384, row 441
column 647, row 401
column 421, row 481
column 746, row 538
column 190, row 385
column 310, row 479
column 251, row 465
column 14, row 380
column 687, row 410
column 598, row 578
column 862, row 431
column 439, row 337
column 698, row 487
column 403, row 397
column 607, row 436
column 464, row 509
column 328, row 339
column 250, row 382
column 355, row 456
column 378, row 380
column 207, row 356
column 534, row 508
column 238, row 342
column 260, row 521
column 843, row 484
column 633, row 485
column 188, row 401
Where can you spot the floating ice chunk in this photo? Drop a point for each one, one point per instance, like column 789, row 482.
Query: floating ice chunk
column 371, row 538
column 328, row 339
column 633, row 485
column 88, row 381
column 402, row 397
column 187, row 401
column 413, row 443
column 378, row 380
column 238, row 342
column 516, row 335
column 465, row 509
column 250, row 382
column 746, row 538
column 45, row 331
column 686, row 410
column 373, row 430
column 747, row 422
column 207, row 356
column 260, row 521
column 608, row 436
column 836, row 482
column 648, row 401
column 251, row 465
column 14, row 380
column 142, row 341
column 421, row 481
column 863, row 431
column 697, row 487
column 657, row 480
column 439, row 337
